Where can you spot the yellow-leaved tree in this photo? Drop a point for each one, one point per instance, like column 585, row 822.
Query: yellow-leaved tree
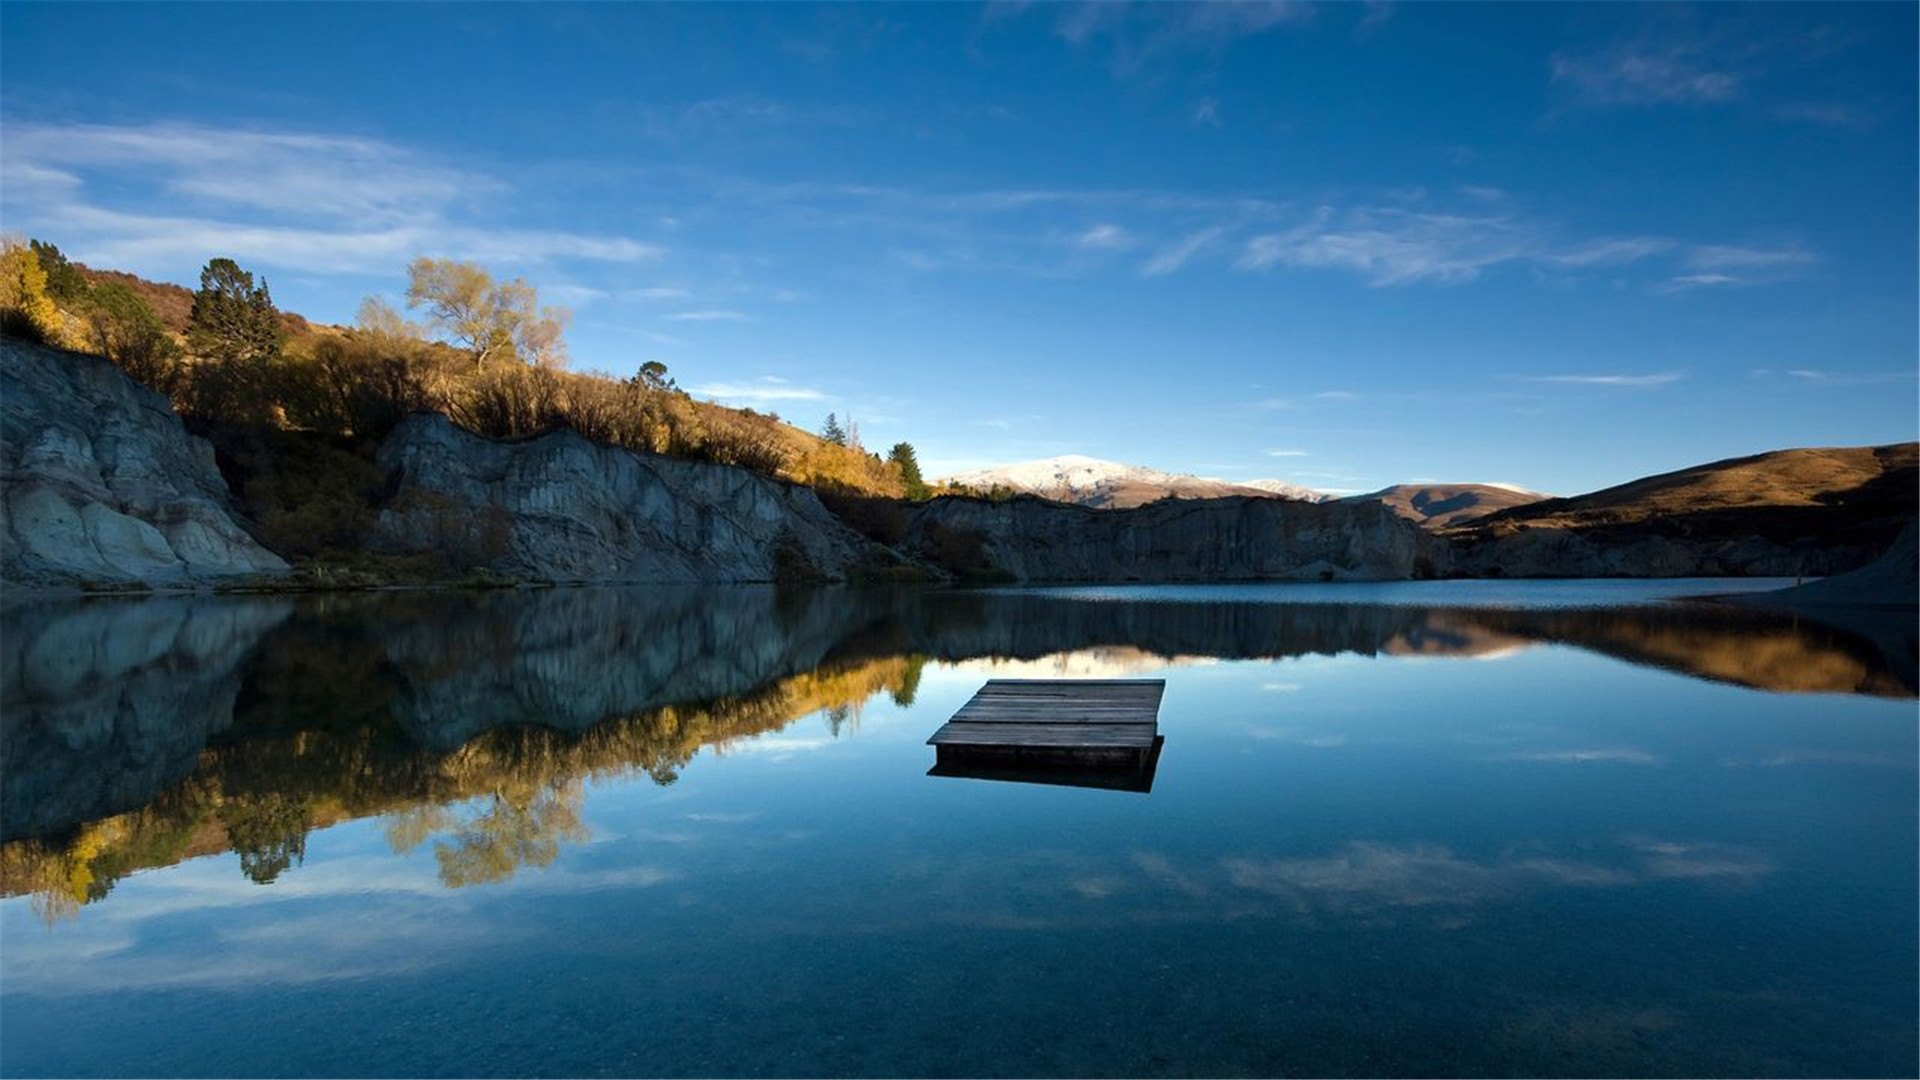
column 25, row 309
column 489, row 320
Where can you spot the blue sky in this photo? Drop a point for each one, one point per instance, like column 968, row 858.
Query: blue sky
column 1557, row 245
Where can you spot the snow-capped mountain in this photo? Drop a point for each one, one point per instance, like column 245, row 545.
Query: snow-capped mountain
column 1113, row 485
column 1286, row 490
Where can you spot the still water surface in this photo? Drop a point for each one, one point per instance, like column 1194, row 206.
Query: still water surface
column 1478, row 829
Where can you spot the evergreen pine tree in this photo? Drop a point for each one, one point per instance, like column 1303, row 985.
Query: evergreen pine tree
column 903, row 458
column 233, row 319
column 235, row 329
column 65, row 283
column 833, row 432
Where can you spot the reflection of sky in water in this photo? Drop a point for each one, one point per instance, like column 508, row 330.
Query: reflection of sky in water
column 1555, row 863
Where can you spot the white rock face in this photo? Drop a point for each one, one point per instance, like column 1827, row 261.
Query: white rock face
column 101, row 486
column 1092, row 482
column 559, row 508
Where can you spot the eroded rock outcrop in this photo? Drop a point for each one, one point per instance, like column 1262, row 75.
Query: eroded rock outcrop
column 1891, row 581
column 104, row 488
column 560, row 508
column 1235, row 539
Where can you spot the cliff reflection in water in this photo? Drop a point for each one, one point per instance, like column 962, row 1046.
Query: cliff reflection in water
column 136, row 733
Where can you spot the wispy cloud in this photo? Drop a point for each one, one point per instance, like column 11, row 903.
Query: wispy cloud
column 1611, row 251
column 656, row 292
column 1392, row 246
column 1730, row 257
column 764, row 389
column 1818, row 377
column 1726, row 264
column 159, row 198
column 1386, row 238
column 1137, row 34
column 1827, row 115
column 1688, row 282
column 1592, row 756
column 1641, row 73
column 1337, row 395
column 1105, row 236
column 1207, row 111
column 729, row 116
column 1174, row 256
column 1658, row 379
column 1398, row 245
column 1287, row 453
column 573, row 295
column 709, row 315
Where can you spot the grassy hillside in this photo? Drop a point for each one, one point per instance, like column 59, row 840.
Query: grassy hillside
column 1836, row 495
column 1440, row 506
column 349, row 385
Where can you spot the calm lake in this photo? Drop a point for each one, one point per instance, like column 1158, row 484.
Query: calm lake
column 1490, row 828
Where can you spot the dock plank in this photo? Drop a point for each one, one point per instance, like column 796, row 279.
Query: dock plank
column 1051, row 735
column 1102, row 715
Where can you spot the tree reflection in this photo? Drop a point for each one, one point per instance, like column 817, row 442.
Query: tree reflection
column 473, row 721
column 269, row 833
column 520, row 826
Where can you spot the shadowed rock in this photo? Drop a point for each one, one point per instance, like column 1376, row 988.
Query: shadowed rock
column 103, row 487
column 560, row 508
column 1236, row 539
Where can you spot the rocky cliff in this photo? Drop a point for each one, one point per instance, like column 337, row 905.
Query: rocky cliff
column 560, row 508
column 103, row 487
column 1235, row 539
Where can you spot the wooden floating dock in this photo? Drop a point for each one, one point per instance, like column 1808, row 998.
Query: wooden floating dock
column 1083, row 732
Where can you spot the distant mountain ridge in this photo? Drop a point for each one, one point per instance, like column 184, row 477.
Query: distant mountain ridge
column 1087, row 481
column 1440, row 506
column 1113, row 485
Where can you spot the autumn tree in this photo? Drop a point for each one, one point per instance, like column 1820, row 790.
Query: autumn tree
column 380, row 321
column 25, row 310
column 490, row 320
column 902, row 458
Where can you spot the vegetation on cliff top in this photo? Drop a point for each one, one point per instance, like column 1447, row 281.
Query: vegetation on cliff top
column 295, row 409
column 489, row 355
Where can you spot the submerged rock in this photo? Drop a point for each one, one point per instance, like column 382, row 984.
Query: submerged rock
column 560, row 508
column 1233, row 539
column 104, row 488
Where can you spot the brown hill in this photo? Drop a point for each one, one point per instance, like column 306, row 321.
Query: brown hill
column 1440, row 506
column 173, row 303
column 1855, row 483
column 1814, row 511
